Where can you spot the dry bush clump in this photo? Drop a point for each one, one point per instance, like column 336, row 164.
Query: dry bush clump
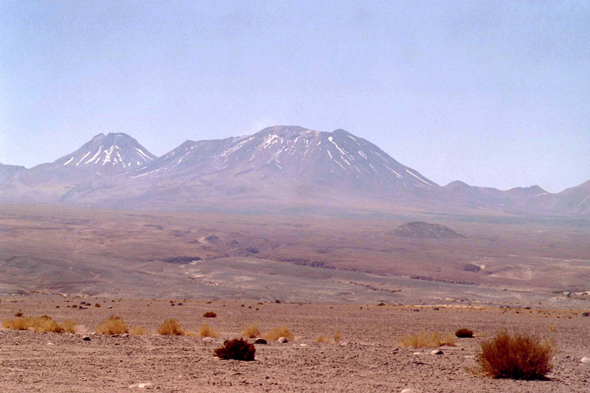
column 138, row 331
column 171, row 327
column 113, row 325
column 428, row 340
column 42, row 324
column 237, row 349
column 517, row 356
column 210, row 314
column 322, row 339
column 337, row 336
column 69, row 326
column 279, row 332
column 208, row 331
column 464, row 333
column 251, row 331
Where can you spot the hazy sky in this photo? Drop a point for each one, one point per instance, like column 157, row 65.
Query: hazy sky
column 494, row 93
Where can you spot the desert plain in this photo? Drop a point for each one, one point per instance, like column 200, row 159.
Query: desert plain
column 317, row 275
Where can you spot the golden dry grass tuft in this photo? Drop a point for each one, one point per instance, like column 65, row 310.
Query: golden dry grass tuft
column 208, row 331
column 138, row 331
column 171, row 327
column 428, row 340
column 42, row 324
column 113, row 325
column 69, row 326
column 322, row 339
column 337, row 336
column 279, row 332
column 251, row 331
column 517, row 356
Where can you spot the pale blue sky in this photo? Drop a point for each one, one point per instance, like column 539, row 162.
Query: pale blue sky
column 494, row 93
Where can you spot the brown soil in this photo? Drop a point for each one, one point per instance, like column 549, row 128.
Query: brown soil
column 368, row 359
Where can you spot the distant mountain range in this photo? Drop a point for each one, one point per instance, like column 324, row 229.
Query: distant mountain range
column 282, row 167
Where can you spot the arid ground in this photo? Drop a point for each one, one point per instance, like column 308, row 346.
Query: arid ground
column 369, row 356
column 328, row 273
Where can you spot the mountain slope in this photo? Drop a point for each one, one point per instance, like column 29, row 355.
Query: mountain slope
column 288, row 160
column 108, row 155
column 95, row 165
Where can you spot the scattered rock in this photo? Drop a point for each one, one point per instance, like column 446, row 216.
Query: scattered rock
column 86, row 338
column 436, row 352
column 586, row 359
column 208, row 340
column 110, row 307
column 49, row 343
column 125, row 334
column 586, row 314
column 141, row 385
column 260, row 341
column 303, row 345
column 283, row 340
column 410, row 391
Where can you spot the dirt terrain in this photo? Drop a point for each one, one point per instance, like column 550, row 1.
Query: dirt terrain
column 368, row 358
column 501, row 260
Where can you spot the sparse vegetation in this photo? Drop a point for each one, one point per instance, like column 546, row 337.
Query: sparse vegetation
column 42, row 324
column 208, row 331
column 428, row 340
column 337, row 336
column 210, row 314
column 464, row 333
column 69, row 326
column 237, row 349
column 251, row 331
column 138, row 331
column 322, row 339
column 279, row 332
column 516, row 356
column 171, row 327
column 113, row 325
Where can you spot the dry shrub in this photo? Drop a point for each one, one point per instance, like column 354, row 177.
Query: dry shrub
column 337, row 336
column 552, row 328
column 464, row 333
column 171, row 327
column 279, row 332
column 237, row 349
column 42, row 324
column 113, row 325
column 22, row 323
column 138, row 331
column 428, row 340
column 208, row 331
column 69, row 326
column 322, row 339
column 518, row 356
column 251, row 331
column 210, row 314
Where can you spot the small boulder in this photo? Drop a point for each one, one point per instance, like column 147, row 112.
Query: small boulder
column 436, row 352
column 586, row 359
column 303, row 345
column 283, row 340
column 86, row 338
column 208, row 340
column 260, row 341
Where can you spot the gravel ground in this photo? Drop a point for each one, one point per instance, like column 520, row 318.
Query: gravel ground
column 369, row 357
